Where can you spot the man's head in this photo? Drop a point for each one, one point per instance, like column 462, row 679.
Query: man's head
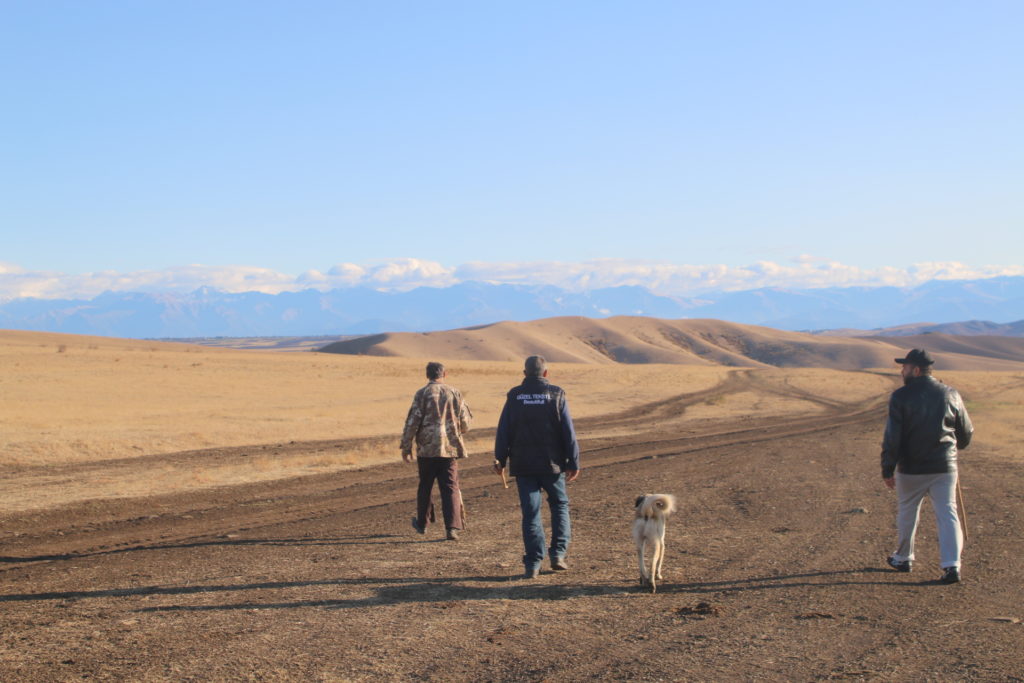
column 536, row 366
column 918, row 362
column 435, row 371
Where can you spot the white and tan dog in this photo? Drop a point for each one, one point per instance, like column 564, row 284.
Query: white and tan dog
column 652, row 509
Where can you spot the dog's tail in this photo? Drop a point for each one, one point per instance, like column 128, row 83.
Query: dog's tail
column 653, row 504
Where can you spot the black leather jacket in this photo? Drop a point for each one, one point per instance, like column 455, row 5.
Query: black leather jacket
column 927, row 424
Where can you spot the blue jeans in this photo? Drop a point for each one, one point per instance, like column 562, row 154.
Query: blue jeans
column 530, row 487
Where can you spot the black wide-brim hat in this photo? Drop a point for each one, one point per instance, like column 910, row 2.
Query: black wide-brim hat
column 917, row 357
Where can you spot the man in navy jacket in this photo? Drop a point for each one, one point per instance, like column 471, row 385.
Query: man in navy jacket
column 536, row 439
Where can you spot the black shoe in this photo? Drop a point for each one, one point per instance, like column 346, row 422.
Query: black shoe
column 903, row 566
column 558, row 564
column 419, row 529
column 531, row 573
column 452, row 535
column 950, row 575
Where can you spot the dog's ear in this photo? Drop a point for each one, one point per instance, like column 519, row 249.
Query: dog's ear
column 639, row 499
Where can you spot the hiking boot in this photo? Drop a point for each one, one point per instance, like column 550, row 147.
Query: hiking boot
column 531, row 573
column 558, row 564
column 950, row 575
column 452, row 535
column 900, row 566
column 419, row 529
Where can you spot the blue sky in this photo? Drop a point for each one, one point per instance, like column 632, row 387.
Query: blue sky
column 306, row 141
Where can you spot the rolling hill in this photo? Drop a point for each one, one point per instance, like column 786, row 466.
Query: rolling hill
column 636, row 340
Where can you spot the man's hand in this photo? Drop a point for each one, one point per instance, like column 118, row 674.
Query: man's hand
column 500, row 471
column 572, row 475
column 890, row 482
column 407, row 456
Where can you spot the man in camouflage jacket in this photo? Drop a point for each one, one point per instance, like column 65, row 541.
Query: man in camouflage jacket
column 438, row 417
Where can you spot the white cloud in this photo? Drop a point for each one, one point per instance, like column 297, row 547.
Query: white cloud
column 399, row 274
column 684, row 279
column 10, row 269
column 409, row 273
column 804, row 272
column 49, row 285
column 346, row 274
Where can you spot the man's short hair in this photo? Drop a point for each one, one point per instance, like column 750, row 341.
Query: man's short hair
column 435, row 370
column 535, row 366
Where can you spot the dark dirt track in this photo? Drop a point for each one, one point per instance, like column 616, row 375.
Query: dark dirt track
column 774, row 570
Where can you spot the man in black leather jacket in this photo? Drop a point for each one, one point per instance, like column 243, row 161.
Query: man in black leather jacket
column 536, row 438
column 927, row 424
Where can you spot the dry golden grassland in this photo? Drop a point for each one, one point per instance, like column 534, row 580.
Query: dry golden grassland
column 70, row 399
column 995, row 402
column 67, row 400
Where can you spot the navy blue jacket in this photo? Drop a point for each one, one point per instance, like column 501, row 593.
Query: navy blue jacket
column 535, row 433
column 927, row 424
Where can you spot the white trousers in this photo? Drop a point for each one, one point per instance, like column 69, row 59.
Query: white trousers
column 941, row 488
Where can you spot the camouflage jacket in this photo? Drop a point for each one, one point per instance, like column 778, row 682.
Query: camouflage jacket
column 438, row 417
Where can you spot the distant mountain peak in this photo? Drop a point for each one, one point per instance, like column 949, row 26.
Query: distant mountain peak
column 208, row 312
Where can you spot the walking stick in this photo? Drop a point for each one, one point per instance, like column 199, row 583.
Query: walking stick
column 963, row 508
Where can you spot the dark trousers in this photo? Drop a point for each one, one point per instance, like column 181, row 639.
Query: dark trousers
column 446, row 472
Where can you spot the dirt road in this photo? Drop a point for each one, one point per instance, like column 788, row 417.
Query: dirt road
column 774, row 569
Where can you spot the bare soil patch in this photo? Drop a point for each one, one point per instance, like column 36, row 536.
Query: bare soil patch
column 774, row 568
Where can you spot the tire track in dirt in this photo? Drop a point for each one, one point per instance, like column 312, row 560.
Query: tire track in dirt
column 773, row 573
column 180, row 520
